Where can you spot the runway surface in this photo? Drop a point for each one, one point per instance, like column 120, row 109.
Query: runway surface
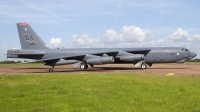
column 156, row 69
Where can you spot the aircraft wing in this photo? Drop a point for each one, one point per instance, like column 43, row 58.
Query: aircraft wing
column 80, row 57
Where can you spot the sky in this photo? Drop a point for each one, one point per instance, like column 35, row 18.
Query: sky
column 103, row 23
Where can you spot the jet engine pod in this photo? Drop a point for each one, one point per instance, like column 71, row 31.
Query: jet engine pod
column 131, row 58
column 100, row 60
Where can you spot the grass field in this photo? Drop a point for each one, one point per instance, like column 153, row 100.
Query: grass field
column 192, row 63
column 99, row 92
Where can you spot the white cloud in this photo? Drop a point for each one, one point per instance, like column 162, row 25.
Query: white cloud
column 195, row 38
column 83, row 41
column 56, row 42
column 131, row 36
column 136, row 34
column 179, row 35
column 110, row 36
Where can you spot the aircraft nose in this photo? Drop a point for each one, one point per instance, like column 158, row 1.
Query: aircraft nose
column 192, row 55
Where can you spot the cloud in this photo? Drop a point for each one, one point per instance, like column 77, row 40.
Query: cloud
column 56, row 42
column 194, row 39
column 179, row 35
column 131, row 36
column 110, row 36
column 84, row 41
column 136, row 34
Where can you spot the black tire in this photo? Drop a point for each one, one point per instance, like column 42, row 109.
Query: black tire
column 83, row 66
column 86, row 66
column 143, row 66
column 50, row 70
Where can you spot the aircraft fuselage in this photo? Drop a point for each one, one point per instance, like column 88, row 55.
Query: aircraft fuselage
column 155, row 55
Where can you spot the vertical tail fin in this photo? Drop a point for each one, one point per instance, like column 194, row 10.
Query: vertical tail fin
column 29, row 38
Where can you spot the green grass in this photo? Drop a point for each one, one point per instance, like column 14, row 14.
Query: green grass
column 99, row 92
column 192, row 63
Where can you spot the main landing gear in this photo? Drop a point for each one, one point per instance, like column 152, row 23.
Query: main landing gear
column 143, row 66
column 83, row 66
column 51, row 69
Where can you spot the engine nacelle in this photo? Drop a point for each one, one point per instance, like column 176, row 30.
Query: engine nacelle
column 100, row 60
column 131, row 58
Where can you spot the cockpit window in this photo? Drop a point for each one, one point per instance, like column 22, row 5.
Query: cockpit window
column 184, row 49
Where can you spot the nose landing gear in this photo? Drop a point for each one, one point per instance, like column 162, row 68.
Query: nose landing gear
column 51, row 69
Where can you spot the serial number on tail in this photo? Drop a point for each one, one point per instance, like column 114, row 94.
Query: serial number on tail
column 32, row 44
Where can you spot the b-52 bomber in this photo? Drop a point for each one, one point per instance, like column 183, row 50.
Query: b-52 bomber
column 34, row 48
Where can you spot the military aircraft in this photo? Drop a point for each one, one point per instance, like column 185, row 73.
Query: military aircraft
column 34, row 48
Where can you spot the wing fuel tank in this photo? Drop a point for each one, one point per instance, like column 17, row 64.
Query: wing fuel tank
column 131, row 58
column 100, row 60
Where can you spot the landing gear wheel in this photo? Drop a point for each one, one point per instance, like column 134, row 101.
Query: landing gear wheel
column 86, row 66
column 83, row 66
column 143, row 66
column 51, row 70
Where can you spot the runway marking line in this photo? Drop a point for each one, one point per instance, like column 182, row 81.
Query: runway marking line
column 170, row 74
